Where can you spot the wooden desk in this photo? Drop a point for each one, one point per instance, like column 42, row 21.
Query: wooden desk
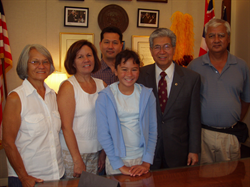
column 225, row 174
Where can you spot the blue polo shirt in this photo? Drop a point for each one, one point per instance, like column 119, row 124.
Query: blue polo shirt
column 221, row 93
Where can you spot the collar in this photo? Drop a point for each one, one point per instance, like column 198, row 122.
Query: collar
column 206, row 59
column 29, row 88
column 169, row 71
column 104, row 65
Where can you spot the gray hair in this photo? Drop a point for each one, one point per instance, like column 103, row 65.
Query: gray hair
column 162, row 32
column 22, row 64
column 215, row 22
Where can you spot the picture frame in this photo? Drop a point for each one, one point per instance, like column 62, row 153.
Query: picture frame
column 148, row 18
column 140, row 44
column 161, row 1
column 76, row 16
column 66, row 40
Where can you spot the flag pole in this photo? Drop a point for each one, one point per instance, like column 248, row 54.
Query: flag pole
column 4, row 79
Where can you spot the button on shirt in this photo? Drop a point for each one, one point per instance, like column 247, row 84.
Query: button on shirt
column 38, row 137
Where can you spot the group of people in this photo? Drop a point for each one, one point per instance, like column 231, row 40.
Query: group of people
column 148, row 17
column 76, row 16
column 116, row 115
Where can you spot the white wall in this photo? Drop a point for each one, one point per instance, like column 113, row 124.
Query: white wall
column 41, row 21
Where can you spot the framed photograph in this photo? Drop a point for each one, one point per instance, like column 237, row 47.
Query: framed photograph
column 76, row 16
column 67, row 39
column 161, row 1
column 140, row 44
column 148, row 18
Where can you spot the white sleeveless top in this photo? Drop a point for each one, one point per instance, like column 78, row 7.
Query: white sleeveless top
column 84, row 123
column 38, row 137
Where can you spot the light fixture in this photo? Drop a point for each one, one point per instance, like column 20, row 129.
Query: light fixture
column 55, row 79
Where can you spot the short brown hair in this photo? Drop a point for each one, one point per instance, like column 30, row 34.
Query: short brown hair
column 127, row 54
column 71, row 55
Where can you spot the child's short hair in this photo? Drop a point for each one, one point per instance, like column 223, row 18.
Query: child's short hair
column 127, row 54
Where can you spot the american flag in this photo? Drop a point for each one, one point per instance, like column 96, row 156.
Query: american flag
column 5, row 53
column 209, row 14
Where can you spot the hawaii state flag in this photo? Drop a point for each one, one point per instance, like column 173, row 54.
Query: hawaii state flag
column 5, row 54
column 209, row 14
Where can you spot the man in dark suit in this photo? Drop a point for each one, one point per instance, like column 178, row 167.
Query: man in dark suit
column 178, row 115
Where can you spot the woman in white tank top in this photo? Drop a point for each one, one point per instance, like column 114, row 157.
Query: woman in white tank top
column 76, row 102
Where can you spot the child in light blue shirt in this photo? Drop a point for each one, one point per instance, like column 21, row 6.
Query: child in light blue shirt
column 126, row 120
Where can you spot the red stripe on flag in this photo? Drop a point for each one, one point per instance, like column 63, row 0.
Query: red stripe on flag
column 209, row 14
column 5, row 53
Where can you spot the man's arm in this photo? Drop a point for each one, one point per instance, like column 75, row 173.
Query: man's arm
column 244, row 109
column 195, row 124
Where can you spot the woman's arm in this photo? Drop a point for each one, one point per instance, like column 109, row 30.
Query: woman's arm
column 105, row 84
column 11, row 125
column 66, row 107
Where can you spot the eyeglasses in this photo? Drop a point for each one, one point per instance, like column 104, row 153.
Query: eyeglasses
column 38, row 63
column 165, row 47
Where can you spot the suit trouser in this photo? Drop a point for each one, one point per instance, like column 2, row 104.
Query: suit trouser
column 217, row 147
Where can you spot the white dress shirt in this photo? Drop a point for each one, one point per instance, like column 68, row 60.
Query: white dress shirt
column 38, row 137
column 169, row 77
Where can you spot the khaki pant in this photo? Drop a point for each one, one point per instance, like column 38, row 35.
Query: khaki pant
column 218, row 147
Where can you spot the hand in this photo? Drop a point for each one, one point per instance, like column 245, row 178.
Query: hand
column 78, row 168
column 101, row 161
column 125, row 170
column 192, row 159
column 138, row 170
column 29, row 181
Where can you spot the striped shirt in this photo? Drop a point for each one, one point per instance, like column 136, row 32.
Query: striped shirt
column 105, row 73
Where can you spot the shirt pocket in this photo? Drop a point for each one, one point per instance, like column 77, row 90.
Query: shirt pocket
column 35, row 124
column 56, row 121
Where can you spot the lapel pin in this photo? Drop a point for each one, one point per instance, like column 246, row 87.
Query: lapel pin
column 176, row 84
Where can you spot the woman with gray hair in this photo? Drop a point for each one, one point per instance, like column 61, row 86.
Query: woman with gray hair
column 31, row 122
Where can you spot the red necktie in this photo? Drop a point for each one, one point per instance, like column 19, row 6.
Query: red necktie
column 162, row 91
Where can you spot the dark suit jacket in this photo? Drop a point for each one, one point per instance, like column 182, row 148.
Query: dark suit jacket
column 179, row 127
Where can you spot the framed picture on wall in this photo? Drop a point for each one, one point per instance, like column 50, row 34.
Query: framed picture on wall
column 148, row 18
column 76, row 16
column 140, row 44
column 66, row 40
